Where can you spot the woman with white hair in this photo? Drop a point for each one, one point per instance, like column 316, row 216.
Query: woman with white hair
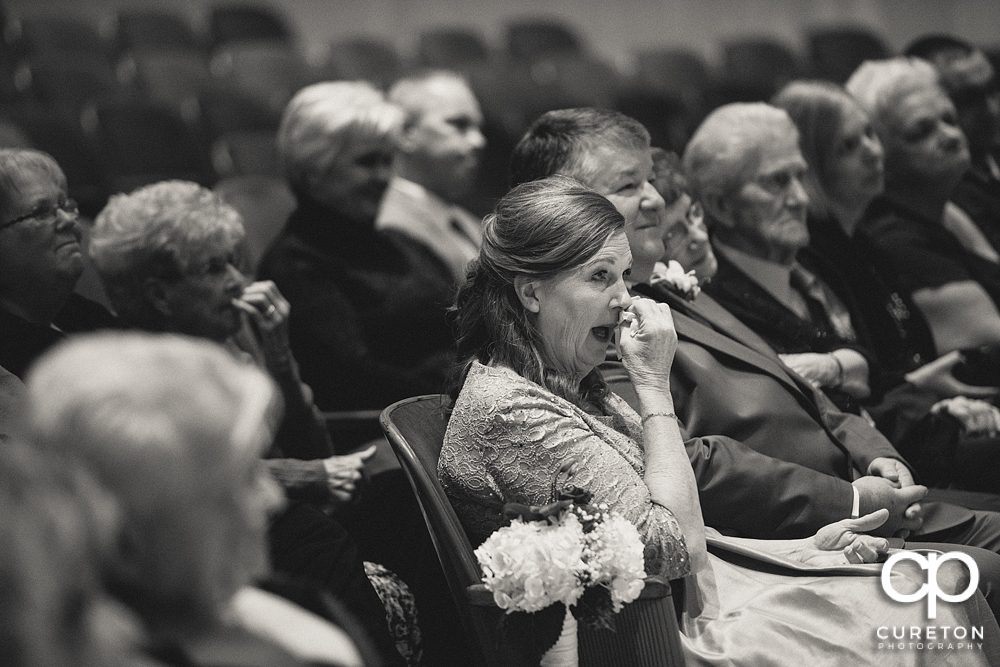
column 55, row 524
column 174, row 428
column 942, row 260
column 368, row 307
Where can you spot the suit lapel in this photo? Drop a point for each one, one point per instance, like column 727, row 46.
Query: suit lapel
column 705, row 322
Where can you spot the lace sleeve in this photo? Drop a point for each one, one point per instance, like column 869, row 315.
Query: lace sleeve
column 523, row 443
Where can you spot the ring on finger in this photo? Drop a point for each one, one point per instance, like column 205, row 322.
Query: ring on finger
column 270, row 310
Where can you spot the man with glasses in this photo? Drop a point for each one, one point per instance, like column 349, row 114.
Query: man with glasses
column 970, row 81
column 41, row 260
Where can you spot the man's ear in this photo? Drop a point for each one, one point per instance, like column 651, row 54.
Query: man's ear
column 156, row 293
column 719, row 209
column 527, row 289
column 407, row 141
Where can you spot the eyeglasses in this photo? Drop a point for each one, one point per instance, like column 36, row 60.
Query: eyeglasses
column 695, row 217
column 46, row 213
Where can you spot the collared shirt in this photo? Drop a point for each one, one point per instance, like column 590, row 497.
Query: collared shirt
column 773, row 277
column 777, row 280
column 451, row 232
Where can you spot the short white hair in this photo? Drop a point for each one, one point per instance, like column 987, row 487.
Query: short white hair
column 879, row 85
column 321, row 119
column 725, row 150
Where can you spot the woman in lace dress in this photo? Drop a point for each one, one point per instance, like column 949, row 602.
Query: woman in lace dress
column 541, row 304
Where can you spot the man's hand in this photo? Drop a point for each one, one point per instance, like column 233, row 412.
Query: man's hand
column 893, row 470
column 905, row 514
column 819, row 370
column 845, row 542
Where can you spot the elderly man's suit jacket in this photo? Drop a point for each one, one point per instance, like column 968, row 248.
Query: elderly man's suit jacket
column 727, row 381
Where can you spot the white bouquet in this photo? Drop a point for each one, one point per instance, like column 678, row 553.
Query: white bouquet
column 570, row 552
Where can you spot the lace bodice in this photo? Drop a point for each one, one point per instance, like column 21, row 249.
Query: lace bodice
column 510, row 440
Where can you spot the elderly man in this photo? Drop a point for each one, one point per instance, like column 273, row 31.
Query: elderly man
column 792, row 461
column 436, row 162
column 755, row 205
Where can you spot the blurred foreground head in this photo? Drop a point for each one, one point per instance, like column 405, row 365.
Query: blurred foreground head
column 174, row 428
column 54, row 524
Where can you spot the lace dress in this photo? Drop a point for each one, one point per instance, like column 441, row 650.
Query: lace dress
column 510, row 440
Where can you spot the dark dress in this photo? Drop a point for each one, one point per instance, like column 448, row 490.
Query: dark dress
column 896, row 332
column 368, row 327
column 978, row 194
column 368, row 324
column 24, row 342
column 922, row 251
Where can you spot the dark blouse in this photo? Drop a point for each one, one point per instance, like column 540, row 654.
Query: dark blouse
column 894, row 329
column 24, row 342
column 368, row 323
column 923, row 253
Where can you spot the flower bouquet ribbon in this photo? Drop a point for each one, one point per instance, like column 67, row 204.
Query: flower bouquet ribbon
column 560, row 563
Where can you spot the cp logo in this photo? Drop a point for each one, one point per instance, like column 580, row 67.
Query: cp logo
column 930, row 590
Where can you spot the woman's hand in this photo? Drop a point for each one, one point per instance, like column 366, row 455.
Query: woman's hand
column 844, row 542
column 976, row 417
column 269, row 311
column 648, row 343
column 343, row 473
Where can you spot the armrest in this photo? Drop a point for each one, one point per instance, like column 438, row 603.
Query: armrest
column 478, row 596
column 656, row 587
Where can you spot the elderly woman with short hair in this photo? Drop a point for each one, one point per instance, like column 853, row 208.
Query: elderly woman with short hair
column 174, row 428
column 41, row 260
column 168, row 255
column 368, row 319
column 368, row 307
column 942, row 259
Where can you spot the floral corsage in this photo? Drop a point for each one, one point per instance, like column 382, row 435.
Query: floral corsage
column 679, row 282
column 569, row 554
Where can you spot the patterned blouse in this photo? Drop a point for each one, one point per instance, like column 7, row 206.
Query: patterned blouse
column 511, row 440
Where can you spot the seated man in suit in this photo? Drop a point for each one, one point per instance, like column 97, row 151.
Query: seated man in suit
column 436, row 162
column 792, row 461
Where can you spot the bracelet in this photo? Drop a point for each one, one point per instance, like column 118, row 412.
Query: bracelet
column 840, row 371
column 661, row 414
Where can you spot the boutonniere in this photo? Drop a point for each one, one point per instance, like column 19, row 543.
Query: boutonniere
column 674, row 277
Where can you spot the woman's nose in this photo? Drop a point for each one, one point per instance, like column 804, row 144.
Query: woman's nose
column 873, row 148
column 235, row 279
column 476, row 139
column 952, row 136
column 66, row 220
column 623, row 299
